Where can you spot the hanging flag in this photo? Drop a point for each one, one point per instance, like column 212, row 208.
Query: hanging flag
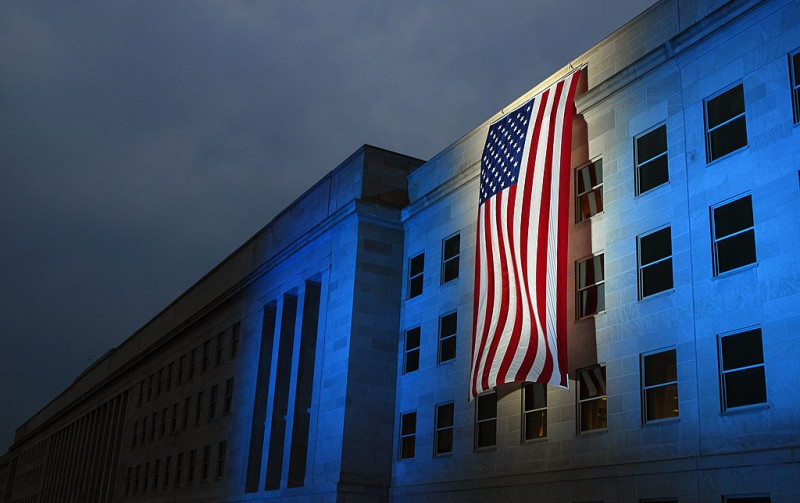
column 519, row 309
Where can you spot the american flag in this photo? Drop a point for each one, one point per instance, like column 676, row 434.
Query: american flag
column 519, row 309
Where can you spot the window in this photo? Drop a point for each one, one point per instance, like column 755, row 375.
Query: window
column 198, row 411
column 416, row 269
column 746, row 499
column 141, row 393
column 181, row 361
column 192, row 363
column 167, row 462
column 411, row 353
column 159, row 377
column 146, row 475
column 192, row 462
column 153, row 427
column 174, row 422
column 592, row 399
column 170, row 369
column 486, row 420
column 590, row 290
column 734, row 238
column 155, row 474
column 149, row 388
column 206, row 462
column 163, row 428
column 742, row 378
column 234, row 341
column 136, row 479
column 223, row 446
column 650, row 159
column 228, row 404
column 220, row 348
column 589, row 190
column 178, row 468
column 186, row 406
column 135, row 431
column 451, row 249
column 212, row 401
column 206, row 356
column 534, row 411
column 408, row 435
column 794, row 71
column 655, row 262
column 128, row 481
column 726, row 130
column 448, row 326
column 659, row 373
column 144, row 430
column 443, row 433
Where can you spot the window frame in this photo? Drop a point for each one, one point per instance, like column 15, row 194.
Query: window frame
column 637, row 166
column 723, row 388
column 407, row 350
column 478, row 421
column 578, row 289
column 404, row 436
column 794, row 74
column 644, row 388
column 446, row 338
column 437, row 429
column 579, row 401
column 640, row 267
column 715, row 240
column 455, row 258
column 411, row 278
column 534, row 410
column 578, row 215
column 708, row 131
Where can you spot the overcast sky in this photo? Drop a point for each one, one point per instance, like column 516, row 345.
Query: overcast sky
column 142, row 142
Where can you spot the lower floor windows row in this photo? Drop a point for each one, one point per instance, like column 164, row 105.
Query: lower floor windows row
column 173, row 471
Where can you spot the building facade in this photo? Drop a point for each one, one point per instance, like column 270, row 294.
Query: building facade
column 327, row 358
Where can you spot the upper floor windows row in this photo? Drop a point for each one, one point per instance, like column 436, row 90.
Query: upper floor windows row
column 451, row 253
column 446, row 346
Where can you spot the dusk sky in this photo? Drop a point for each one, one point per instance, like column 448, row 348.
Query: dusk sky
column 142, row 142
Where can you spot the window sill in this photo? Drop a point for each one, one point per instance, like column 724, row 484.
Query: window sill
column 443, row 455
column 590, row 316
column 485, row 449
column 582, row 222
column 729, row 154
column 662, row 293
column 659, row 422
column 589, row 433
column 743, row 268
column 450, row 281
column 756, row 407
column 538, row 440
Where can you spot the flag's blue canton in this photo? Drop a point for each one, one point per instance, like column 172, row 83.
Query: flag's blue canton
column 502, row 154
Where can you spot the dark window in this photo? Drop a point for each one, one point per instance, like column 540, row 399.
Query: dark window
column 170, row 369
column 411, row 353
column 416, row 270
column 448, row 327
column 408, row 435
column 153, row 427
column 220, row 348
column 192, row 463
column 650, row 154
column 144, row 430
column 167, row 462
column 159, row 377
column 742, row 369
column 486, row 420
column 659, row 386
column 746, row 499
column 198, row 412
column 734, row 238
column 141, row 392
column 163, row 429
column 726, row 130
column 655, row 262
column 192, row 363
column 206, row 356
column 443, row 433
column 156, row 473
column 174, row 422
column 234, row 341
column 590, row 290
column 181, row 362
column 589, row 190
column 146, row 476
column 221, row 452
column 186, row 406
column 451, row 249
column 149, row 388
column 135, row 432
column 228, row 396
column 206, row 462
column 794, row 71
column 128, row 481
column 534, row 411
column 592, row 399
column 212, row 401
column 178, row 468
column 136, row 479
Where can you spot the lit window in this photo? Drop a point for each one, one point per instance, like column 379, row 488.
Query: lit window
column 534, row 411
column 734, row 239
column 655, row 262
column 659, row 386
column 794, row 70
column 592, row 399
column 486, row 420
column 590, row 290
column 742, row 377
column 451, row 249
column 650, row 152
column 411, row 353
column 416, row 269
column 443, row 434
column 448, row 326
column 408, row 435
column 589, row 190
column 726, row 130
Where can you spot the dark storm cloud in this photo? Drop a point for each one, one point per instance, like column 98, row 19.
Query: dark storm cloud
column 141, row 142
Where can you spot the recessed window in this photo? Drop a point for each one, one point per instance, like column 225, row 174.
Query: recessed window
column 650, row 154
column 592, row 399
column 408, row 435
column 655, row 262
column 794, row 71
column 451, row 249
column 486, row 420
column 534, row 411
column 726, row 130
column 416, row 269
column 443, row 433
column 734, row 239
column 212, row 402
column 448, row 326
column 221, row 453
column 220, row 348
column 234, row 341
column 590, row 289
column 589, row 190
column 411, row 353
column 206, row 462
column 742, row 376
column 659, row 386
column 228, row 404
